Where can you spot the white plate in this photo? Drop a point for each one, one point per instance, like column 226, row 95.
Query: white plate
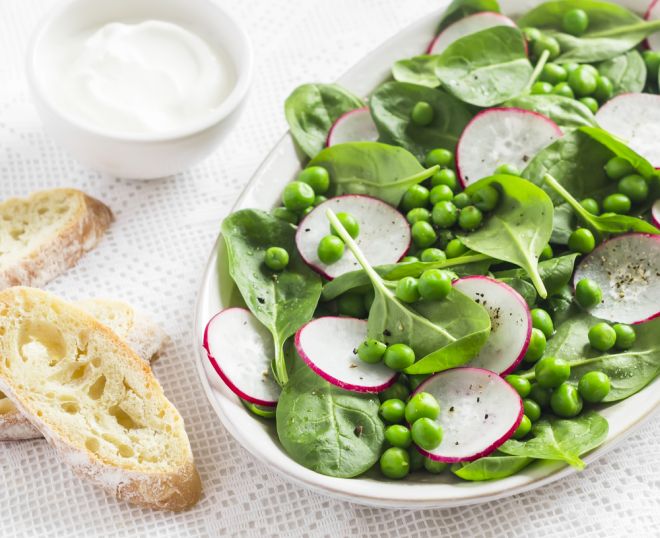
column 259, row 436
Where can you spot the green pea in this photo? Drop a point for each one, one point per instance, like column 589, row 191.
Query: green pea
column 652, row 61
column 591, row 205
column 395, row 463
column 348, row 221
column 541, row 88
column 285, row 214
column 351, row 304
column 553, row 73
column 422, row 405
column 434, row 467
column 407, row 289
column 551, row 372
column 417, row 214
column 536, row 348
column 398, row 435
column 440, row 157
column 306, row 211
column 392, row 410
column 634, row 187
column 521, row 385
column 602, row 336
column 433, row 255
column 423, row 234
column 540, row 395
column 297, row 196
column 461, row 200
column 470, row 218
column 434, row 285
column 546, row 253
column 398, row 391
column 507, row 169
column 330, row 249
column 564, row 89
column 399, row 357
column 617, row 203
column 590, row 103
column 416, row 459
column 426, row 433
column 575, row 22
column 594, row 386
column 455, row 249
column 582, row 241
column 548, row 43
column 532, row 409
column 415, row 196
column 566, row 401
column 445, row 214
column 317, row 178
column 371, row 351
column 319, row 199
column 422, row 113
column 582, row 81
column 604, row 88
column 276, row 258
column 587, row 293
column 486, row 198
column 445, row 176
column 523, row 428
column 542, row 320
column 618, row 167
column 625, row 336
column 409, row 259
column 440, row 193
column 531, row 34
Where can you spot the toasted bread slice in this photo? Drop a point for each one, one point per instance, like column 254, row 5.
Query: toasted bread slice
column 143, row 336
column 94, row 400
column 47, row 233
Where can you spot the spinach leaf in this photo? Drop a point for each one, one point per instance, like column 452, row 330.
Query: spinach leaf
column 311, row 109
column 485, row 68
column 626, row 71
column 563, row 224
column 567, row 113
column 518, row 229
column 418, row 70
column 612, row 29
column 629, row 371
column 459, row 9
column 372, row 168
column 526, row 290
column 491, row 467
column 555, row 272
column 561, row 305
column 327, row 429
column 561, row 439
column 281, row 301
column 443, row 334
column 391, row 107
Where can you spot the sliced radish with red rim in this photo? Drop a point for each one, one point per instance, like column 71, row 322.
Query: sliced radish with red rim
column 478, row 412
column 653, row 14
column 328, row 345
column 466, row 26
column 240, row 349
column 627, row 270
column 511, row 323
column 384, row 234
column 502, row 136
column 353, row 126
column 655, row 213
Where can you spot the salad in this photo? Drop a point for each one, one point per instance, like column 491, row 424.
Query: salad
column 467, row 267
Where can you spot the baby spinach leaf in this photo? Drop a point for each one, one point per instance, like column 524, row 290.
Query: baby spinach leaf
column 485, row 68
column 418, row 70
column 626, row 71
column 443, row 334
column 526, row 290
column 311, row 109
column 567, row 113
column 281, row 301
column 327, row 429
column 491, row 467
column 372, row 168
column 459, row 9
column 391, row 107
column 612, row 29
column 555, row 272
column 518, row 229
column 561, row 439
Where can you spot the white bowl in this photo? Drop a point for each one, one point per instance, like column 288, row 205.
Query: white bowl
column 130, row 155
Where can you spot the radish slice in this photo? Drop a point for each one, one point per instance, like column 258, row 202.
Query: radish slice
column 478, row 412
column 353, row 126
column 384, row 233
column 652, row 14
column 635, row 118
column 240, row 350
column 655, row 213
column 466, row 26
column 502, row 136
column 328, row 346
column 626, row 269
column 510, row 319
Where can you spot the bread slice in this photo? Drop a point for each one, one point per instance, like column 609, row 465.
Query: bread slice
column 96, row 402
column 143, row 336
column 47, row 233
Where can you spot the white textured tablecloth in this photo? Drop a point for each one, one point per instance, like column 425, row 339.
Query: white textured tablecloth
column 153, row 257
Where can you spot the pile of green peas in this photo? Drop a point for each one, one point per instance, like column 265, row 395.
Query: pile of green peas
column 331, row 248
column 300, row 196
column 652, row 61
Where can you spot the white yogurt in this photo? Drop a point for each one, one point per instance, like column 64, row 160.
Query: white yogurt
column 150, row 77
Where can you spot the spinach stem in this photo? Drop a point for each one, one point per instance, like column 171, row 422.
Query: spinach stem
column 537, row 70
column 444, row 264
column 575, row 205
column 281, row 375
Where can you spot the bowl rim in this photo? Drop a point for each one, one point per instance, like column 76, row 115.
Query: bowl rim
column 244, row 75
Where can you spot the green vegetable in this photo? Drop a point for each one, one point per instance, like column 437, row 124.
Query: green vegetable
column 371, row 351
column 583, row 81
column 594, row 386
column 602, row 336
column 330, row 249
column 459, row 9
column 329, row 430
column 317, row 178
column 575, row 21
column 567, row 113
column 519, row 227
column 283, row 304
column 470, row 218
column 447, row 177
column 440, row 193
column 523, row 428
column 422, row 114
column 276, row 258
column 372, row 168
column 536, row 348
column 532, row 409
column 485, row 68
column 434, row 467
column 444, row 214
column 432, row 255
column 588, row 293
column 566, row 401
column 416, row 196
column 582, row 240
column 541, row 88
column 297, row 196
column 618, row 204
column 491, row 467
column 392, row 410
column 541, row 320
column 423, row 234
column 524, row 288
column 312, row 109
column 398, row 435
column 550, row 372
column 426, row 433
column 422, row 405
column 352, row 305
column 634, row 187
column 560, row 439
column 395, row 463
column 434, row 285
column 625, row 336
column 348, row 221
column 398, row 357
column 590, row 103
column 418, row 70
column 555, row 272
column 439, row 156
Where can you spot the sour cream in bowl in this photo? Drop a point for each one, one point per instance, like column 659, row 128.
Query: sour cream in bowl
column 139, row 88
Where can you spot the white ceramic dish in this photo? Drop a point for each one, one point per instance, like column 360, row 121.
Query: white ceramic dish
column 259, row 437
column 138, row 156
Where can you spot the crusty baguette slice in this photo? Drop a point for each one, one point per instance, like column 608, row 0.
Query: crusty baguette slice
column 94, row 400
column 47, row 233
column 143, row 336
